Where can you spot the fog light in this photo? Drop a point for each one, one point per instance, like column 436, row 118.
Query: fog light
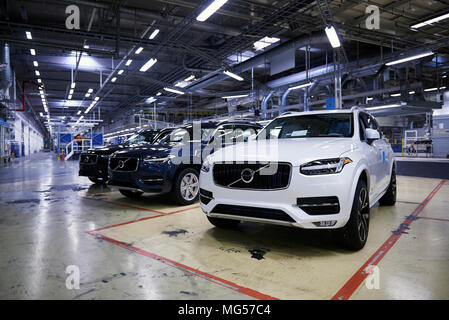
column 325, row 223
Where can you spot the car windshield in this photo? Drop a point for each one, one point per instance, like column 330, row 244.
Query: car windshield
column 309, row 126
column 141, row 137
column 184, row 135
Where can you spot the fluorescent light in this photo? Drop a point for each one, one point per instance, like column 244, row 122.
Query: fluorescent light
column 37, row 73
column 369, row 98
column 29, row 36
column 265, row 42
column 333, row 37
column 35, row 64
column 86, row 46
column 388, row 106
column 154, row 34
column 39, row 80
column 148, row 65
column 422, row 55
column 90, row 90
column 395, row 95
column 233, row 75
column 210, row 10
column 173, row 90
column 78, row 113
column 120, row 72
column 139, row 50
column 71, row 91
column 301, row 86
column 434, row 89
column 189, row 78
column 69, row 97
column 128, row 62
column 33, row 52
column 430, row 21
column 411, row 92
column 114, row 79
column 150, row 100
column 73, row 85
column 41, row 114
column 97, row 98
column 158, row 94
column 235, row 97
column 87, row 95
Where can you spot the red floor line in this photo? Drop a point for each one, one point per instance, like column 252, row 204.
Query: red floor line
column 354, row 282
column 209, row 277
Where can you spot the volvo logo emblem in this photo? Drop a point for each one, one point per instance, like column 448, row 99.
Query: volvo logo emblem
column 247, row 175
column 121, row 164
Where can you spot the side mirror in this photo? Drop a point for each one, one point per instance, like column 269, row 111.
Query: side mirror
column 251, row 137
column 372, row 135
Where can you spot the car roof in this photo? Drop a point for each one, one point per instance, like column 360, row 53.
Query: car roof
column 293, row 114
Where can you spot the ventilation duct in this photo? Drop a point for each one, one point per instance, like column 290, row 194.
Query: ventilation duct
column 5, row 70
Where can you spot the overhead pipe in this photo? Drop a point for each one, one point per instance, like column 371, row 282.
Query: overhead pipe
column 313, row 39
column 146, row 14
column 264, row 104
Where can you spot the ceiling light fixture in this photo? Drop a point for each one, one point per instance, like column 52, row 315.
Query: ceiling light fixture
column 120, row 72
column 301, row 86
column 35, row 64
column 332, row 36
column 154, row 34
column 33, row 52
column 418, row 56
column 233, row 75
column 139, row 50
column 148, row 65
column 235, row 97
column 430, row 21
column 29, row 36
column 210, row 10
column 173, row 90
column 128, row 62
column 114, row 79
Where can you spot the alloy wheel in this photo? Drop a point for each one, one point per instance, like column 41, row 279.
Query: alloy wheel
column 189, row 186
column 363, row 215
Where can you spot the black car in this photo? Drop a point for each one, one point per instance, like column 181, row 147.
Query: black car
column 94, row 162
column 172, row 164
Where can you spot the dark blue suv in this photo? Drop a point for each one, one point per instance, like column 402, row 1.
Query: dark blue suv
column 172, row 164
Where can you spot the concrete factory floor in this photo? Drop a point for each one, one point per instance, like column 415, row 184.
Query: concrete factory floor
column 151, row 249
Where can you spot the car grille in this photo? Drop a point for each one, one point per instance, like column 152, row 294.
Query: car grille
column 264, row 176
column 253, row 212
column 88, row 158
column 123, row 164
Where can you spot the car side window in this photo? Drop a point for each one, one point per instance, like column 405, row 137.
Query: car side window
column 242, row 132
column 362, row 128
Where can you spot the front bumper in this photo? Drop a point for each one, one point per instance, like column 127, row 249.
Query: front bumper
column 98, row 170
column 148, row 177
column 333, row 186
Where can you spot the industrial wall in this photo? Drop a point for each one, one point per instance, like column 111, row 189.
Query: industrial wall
column 25, row 138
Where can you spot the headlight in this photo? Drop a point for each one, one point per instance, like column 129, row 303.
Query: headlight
column 206, row 165
column 158, row 159
column 325, row 166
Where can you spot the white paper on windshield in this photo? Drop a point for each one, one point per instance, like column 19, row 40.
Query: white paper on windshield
column 300, row 133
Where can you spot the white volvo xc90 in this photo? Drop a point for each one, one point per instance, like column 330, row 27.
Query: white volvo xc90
column 313, row 170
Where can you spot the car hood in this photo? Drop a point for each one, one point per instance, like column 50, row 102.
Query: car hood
column 143, row 151
column 295, row 151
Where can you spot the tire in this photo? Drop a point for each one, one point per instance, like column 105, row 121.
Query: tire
column 355, row 233
column 389, row 198
column 131, row 194
column 95, row 180
column 223, row 223
column 186, row 187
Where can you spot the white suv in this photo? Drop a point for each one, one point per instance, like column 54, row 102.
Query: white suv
column 313, row 170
